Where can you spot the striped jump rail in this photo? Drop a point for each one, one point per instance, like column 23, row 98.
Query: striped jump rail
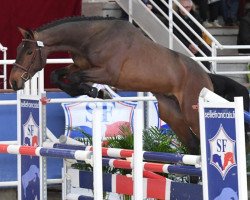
column 124, row 153
column 154, row 167
column 45, row 152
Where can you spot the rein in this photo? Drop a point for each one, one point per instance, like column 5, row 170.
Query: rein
column 26, row 75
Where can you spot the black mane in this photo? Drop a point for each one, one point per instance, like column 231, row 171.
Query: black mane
column 71, row 19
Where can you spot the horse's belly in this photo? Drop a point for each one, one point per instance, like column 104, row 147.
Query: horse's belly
column 145, row 85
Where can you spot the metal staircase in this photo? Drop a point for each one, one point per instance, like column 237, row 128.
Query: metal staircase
column 158, row 32
column 151, row 25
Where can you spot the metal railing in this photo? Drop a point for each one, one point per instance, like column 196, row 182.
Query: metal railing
column 4, row 70
column 163, row 34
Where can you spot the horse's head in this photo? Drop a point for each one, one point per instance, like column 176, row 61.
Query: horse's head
column 31, row 58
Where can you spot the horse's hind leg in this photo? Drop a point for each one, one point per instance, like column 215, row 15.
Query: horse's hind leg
column 170, row 112
column 189, row 96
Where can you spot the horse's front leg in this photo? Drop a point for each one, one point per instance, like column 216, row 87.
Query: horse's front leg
column 61, row 78
column 95, row 75
column 57, row 75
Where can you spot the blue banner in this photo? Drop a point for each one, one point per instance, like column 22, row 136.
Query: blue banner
column 221, row 153
column 30, row 174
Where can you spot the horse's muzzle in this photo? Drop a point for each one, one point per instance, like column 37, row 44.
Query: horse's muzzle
column 15, row 86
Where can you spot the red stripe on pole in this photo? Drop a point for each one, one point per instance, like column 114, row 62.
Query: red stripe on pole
column 126, row 153
column 152, row 175
column 156, row 188
column 104, row 151
column 27, row 150
column 3, row 148
column 124, row 185
column 155, row 167
column 122, row 164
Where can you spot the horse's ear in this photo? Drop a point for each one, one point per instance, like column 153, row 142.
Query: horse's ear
column 27, row 33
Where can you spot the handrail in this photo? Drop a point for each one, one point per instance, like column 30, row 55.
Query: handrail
column 235, row 46
column 231, row 59
column 134, row 6
column 4, row 71
column 210, row 36
column 183, row 33
column 192, row 18
column 172, row 24
column 198, row 24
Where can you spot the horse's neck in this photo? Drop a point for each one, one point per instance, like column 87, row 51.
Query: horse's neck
column 59, row 39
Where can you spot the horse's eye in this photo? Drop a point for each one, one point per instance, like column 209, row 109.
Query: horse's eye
column 29, row 52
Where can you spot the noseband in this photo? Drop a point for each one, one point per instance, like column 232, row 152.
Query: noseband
column 26, row 75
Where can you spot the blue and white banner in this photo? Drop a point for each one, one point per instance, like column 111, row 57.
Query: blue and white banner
column 30, row 175
column 223, row 171
column 221, row 152
column 114, row 115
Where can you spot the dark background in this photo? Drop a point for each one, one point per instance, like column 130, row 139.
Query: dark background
column 32, row 14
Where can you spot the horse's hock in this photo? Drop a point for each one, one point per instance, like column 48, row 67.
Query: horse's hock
column 101, row 8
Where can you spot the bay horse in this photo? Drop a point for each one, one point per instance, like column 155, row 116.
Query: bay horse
column 223, row 86
column 116, row 53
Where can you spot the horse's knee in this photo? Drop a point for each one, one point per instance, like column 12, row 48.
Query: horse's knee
column 75, row 77
column 56, row 75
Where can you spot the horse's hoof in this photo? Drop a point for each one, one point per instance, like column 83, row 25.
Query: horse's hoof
column 103, row 94
column 93, row 92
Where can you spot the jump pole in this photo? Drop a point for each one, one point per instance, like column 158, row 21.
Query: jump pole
column 126, row 153
column 223, row 147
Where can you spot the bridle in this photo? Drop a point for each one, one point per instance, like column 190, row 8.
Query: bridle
column 26, row 75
